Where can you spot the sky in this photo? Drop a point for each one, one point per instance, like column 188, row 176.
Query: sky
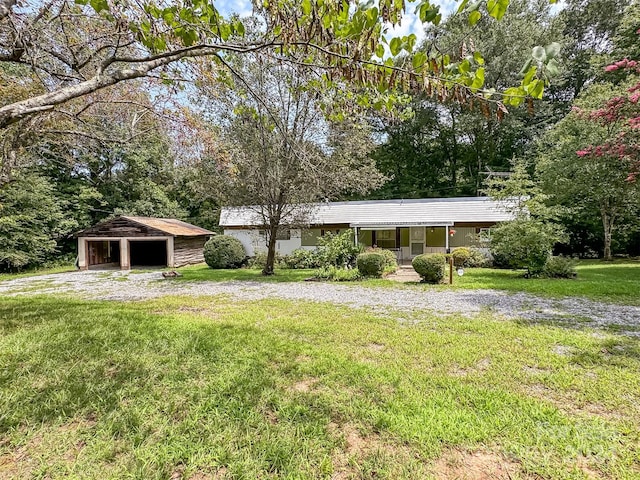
column 410, row 22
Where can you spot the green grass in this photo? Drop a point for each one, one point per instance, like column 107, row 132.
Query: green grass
column 216, row 388
column 36, row 272
column 617, row 282
column 200, row 273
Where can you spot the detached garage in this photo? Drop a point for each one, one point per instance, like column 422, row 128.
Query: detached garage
column 127, row 242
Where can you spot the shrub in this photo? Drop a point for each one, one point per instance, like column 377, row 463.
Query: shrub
column 524, row 243
column 560, row 267
column 338, row 274
column 223, row 251
column 338, row 250
column 302, row 258
column 469, row 257
column 371, row 264
column 259, row 260
column 430, row 266
column 461, row 256
column 390, row 260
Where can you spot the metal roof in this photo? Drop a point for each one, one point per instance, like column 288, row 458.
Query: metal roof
column 389, row 213
column 170, row 226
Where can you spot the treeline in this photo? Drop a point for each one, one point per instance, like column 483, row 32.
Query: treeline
column 162, row 148
column 448, row 149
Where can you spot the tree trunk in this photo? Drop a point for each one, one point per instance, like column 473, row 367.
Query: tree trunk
column 271, row 250
column 607, row 223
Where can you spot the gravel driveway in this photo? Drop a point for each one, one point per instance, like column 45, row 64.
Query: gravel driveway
column 401, row 303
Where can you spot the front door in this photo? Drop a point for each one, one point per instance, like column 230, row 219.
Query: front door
column 416, row 236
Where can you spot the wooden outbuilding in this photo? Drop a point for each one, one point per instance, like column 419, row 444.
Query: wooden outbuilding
column 127, row 242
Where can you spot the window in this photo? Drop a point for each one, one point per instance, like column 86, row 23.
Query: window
column 283, row 234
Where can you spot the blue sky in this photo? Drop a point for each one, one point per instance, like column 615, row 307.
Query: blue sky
column 410, row 22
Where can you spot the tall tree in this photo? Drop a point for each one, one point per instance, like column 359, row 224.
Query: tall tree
column 447, row 146
column 281, row 160
column 586, row 168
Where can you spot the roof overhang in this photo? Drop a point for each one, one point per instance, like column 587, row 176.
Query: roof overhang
column 390, row 225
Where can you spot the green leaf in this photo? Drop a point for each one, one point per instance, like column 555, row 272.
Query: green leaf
column 477, row 56
column 464, row 66
column 395, row 46
column 553, row 68
column 539, row 54
column 552, row 50
column 537, row 90
column 529, row 75
column 380, row 51
column 462, row 5
column 474, row 17
column 99, row 5
column 306, row 7
column 478, row 81
column 497, row 8
column 239, row 28
column 277, row 31
column 419, row 58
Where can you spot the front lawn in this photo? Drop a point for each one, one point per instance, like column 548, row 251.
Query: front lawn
column 219, row 388
column 202, row 273
column 617, row 282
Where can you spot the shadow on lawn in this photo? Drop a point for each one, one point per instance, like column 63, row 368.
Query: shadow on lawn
column 67, row 358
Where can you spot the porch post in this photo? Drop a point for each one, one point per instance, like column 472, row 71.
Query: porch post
column 82, row 253
column 355, row 235
column 125, row 263
column 446, row 239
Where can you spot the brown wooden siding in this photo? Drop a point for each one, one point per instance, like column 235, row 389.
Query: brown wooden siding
column 121, row 227
column 188, row 250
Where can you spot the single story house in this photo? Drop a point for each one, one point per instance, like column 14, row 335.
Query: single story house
column 127, row 242
column 409, row 227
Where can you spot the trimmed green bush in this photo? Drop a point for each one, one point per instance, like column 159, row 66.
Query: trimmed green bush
column 224, row 251
column 338, row 274
column 390, row 260
column 560, row 267
column 461, row 256
column 430, row 266
column 371, row 264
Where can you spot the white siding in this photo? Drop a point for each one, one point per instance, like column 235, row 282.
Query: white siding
column 253, row 242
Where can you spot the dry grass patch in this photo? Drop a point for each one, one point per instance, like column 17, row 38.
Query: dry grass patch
column 457, row 464
column 304, row 386
column 360, row 452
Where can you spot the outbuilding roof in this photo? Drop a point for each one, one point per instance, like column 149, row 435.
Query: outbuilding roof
column 125, row 226
column 170, row 226
column 389, row 213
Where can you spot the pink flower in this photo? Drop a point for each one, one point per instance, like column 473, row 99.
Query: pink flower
column 610, row 68
column 583, row 153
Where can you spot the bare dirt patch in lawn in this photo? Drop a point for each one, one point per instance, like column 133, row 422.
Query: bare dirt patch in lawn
column 304, row 386
column 457, row 464
column 357, row 447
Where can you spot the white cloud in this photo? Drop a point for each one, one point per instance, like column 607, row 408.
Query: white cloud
column 241, row 7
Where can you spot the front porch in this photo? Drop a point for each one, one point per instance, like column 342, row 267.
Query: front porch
column 410, row 241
